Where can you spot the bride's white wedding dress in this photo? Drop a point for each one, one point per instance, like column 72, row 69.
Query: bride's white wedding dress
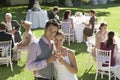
column 62, row 72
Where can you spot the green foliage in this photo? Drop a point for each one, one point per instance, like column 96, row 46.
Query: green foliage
column 62, row 2
column 117, row 1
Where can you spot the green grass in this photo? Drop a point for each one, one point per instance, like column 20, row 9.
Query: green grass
column 111, row 13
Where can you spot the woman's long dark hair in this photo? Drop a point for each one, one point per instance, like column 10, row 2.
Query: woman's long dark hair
column 109, row 41
column 66, row 14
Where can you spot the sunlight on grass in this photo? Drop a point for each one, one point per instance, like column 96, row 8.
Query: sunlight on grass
column 37, row 33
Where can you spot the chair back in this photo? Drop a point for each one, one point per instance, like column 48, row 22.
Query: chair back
column 5, row 53
column 5, row 48
column 103, row 58
column 66, row 26
column 67, row 30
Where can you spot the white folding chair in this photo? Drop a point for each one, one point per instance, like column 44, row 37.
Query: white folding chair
column 90, row 49
column 67, row 30
column 103, row 58
column 5, row 53
column 117, row 72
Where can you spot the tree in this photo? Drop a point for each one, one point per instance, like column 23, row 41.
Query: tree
column 30, row 5
column 2, row 2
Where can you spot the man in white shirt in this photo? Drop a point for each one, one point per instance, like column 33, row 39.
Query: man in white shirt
column 40, row 57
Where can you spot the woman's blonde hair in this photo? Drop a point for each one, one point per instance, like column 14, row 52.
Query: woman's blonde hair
column 26, row 24
column 8, row 14
column 78, row 14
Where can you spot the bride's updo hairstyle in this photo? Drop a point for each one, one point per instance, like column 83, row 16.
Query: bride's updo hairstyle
column 26, row 24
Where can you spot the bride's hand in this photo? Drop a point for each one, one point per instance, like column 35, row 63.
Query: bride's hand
column 60, row 58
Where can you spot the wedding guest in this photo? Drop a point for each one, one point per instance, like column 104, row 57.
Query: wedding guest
column 67, row 18
column 25, row 42
column 101, row 35
column 13, row 27
column 40, row 58
column 66, row 61
column 53, row 13
column 110, row 44
column 4, row 36
column 88, row 31
column 27, row 36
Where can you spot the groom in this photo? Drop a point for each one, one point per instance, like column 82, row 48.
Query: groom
column 40, row 57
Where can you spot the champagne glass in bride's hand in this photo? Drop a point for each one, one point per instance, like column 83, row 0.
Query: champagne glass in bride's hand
column 57, row 54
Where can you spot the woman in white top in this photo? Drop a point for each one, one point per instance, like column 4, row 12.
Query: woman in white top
column 65, row 64
column 101, row 35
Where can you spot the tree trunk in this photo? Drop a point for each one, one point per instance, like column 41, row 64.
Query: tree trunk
column 30, row 5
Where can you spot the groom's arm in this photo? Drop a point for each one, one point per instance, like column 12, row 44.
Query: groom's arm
column 33, row 52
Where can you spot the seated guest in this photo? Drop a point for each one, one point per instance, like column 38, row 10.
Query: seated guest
column 24, row 43
column 110, row 44
column 101, row 35
column 13, row 27
column 66, row 18
column 53, row 13
column 78, row 14
column 88, row 31
column 4, row 36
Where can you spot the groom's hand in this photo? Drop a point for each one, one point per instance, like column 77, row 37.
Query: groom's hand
column 51, row 58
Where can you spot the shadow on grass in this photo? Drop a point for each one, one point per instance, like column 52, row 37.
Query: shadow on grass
column 86, row 75
column 77, row 47
column 91, row 76
column 5, row 72
column 37, row 29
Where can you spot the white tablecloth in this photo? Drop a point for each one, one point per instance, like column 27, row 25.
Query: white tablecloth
column 38, row 18
column 79, row 26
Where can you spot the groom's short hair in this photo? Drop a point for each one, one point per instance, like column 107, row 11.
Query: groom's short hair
column 2, row 26
column 52, row 22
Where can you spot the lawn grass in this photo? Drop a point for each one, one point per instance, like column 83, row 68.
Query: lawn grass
column 86, row 70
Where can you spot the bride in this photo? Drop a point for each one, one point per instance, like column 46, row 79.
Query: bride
column 65, row 64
